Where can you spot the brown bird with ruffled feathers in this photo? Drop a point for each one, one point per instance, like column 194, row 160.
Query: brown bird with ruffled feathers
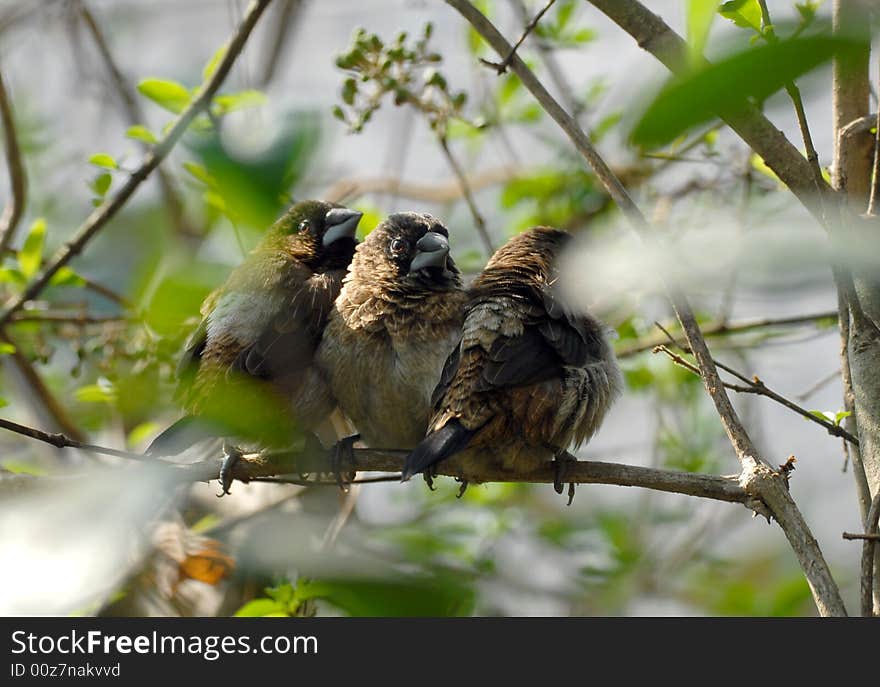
column 529, row 377
column 396, row 320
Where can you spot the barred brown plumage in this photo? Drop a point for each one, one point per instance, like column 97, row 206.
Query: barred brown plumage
column 529, row 377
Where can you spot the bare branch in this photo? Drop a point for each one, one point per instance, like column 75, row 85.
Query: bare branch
column 479, row 222
column 655, row 36
column 757, row 387
column 721, row 328
column 135, row 115
column 283, row 26
column 874, row 202
column 292, row 466
column 856, row 536
column 434, row 192
column 501, row 67
column 17, row 177
column 758, row 478
column 108, row 209
column 870, row 600
column 795, row 94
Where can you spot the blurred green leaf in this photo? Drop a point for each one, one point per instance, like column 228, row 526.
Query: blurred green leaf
column 232, row 102
column 101, row 184
column 213, row 63
column 66, row 277
column 138, row 132
column 744, row 13
column 169, row 95
column 31, row 254
column 727, row 85
column 260, row 608
column 395, row 598
column 6, row 348
column 103, row 391
column 103, row 160
column 199, row 172
column 700, row 14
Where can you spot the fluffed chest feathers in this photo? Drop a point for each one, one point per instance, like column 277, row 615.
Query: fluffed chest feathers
column 383, row 377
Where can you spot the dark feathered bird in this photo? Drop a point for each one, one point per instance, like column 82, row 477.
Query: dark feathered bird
column 248, row 368
column 396, row 320
column 529, row 377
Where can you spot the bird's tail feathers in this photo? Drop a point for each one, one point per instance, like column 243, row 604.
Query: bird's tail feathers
column 183, row 434
column 436, row 447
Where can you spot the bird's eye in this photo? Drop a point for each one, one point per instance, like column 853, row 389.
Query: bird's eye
column 305, row 225
column 399, row 246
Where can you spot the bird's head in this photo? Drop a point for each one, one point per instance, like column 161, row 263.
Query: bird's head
column 319, row 234
column 408, row 254
column 528, row 260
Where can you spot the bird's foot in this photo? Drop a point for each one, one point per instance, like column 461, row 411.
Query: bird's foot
column 342, row 455
column 561, row 461
column 231, row 456
column 429, row 473
column 462, row 489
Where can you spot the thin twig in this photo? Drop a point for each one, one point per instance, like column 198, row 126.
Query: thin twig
column 134, row 114
column 64, row 441
column 502, row 66
column 64, row 317
column 869, row 560
column 479, row 222
column 17, row 177
column 874, row 201
column 106, row 292
column 434, row 192
column 283, row 28
column 757, row 477
column 856, row 535
column 795, row 94
column 108, row 209
column 757, row 387
column 819, row 385
column 652, row 34
column 720, row 328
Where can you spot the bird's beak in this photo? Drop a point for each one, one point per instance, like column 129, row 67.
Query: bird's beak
column 431, row 251
column 340, row 223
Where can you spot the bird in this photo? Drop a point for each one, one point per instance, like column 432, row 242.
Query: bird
column 248, row 368
column 528, row 377
column 396, row 319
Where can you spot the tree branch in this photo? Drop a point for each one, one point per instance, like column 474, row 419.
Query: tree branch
column 870, row 600
column 757, row 478
column 501, row 67
column 108, row 209
column 134, row 115
column 479, row 222
column 269, row 465
column 656, row 37
column 720, row 328
column 757, row 387
column 17, row 177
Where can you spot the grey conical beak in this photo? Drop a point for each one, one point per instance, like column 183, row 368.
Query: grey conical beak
column 431, row 251
column 340, row 223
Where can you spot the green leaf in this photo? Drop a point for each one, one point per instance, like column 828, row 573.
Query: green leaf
column 12, row 275
column 726, row 86
column 141, row 133
column 103, row 391
column 371, row 598
column 260, row 608
column 200, row 172
column 66, row 277
column 169, row 95
column 744, row 13
column 214, row 62
column 6, row 348
column 31, row 254
column 700, row 14
column 101, row 184
column 103, row 160
column 841, row 415
column 231, row 102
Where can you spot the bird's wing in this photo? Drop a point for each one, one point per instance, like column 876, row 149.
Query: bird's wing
column 286, row 344
column 553, row 338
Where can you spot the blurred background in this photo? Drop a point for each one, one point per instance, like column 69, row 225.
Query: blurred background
column 94, row 357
